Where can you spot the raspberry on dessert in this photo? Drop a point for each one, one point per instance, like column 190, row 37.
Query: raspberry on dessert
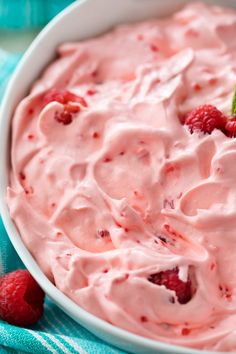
column 21, row 298
column 63, row 97
column 230, row 127
column 171, row 280
column 205, row 119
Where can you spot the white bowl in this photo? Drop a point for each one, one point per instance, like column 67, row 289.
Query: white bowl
column 79, row 21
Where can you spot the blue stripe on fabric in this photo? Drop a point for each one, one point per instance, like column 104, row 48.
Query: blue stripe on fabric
column 7, row 65
column 24, row 14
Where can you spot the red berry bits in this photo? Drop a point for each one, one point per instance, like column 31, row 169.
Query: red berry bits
column 205, row 119
column 22, row 176
column 30, row 136
column 213, row 81
column 197, row 87
column 230, row 127
column 55, row 95
column 153, row 47
column 170, row 279
column 64, row 97
column 31, row 111
column 185, row 331
column 96, row 135
column 72, row 108
column 91, row 92
column 102, row 233
column 21, row 299
column 143, row 319
column 64, row 117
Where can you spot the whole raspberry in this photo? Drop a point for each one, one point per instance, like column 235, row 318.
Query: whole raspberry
column 230, row 127
column 205, row 118
column 21, row 298
column 170, row 279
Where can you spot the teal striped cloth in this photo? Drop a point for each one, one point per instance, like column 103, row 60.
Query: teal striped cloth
column 33, row 13
column 55, row 333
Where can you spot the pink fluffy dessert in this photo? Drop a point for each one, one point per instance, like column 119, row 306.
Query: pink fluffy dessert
column 127, row 212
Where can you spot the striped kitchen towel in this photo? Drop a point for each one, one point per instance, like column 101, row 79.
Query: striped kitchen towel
column 33, row 13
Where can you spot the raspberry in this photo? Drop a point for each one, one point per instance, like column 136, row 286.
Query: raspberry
column 63, row 97
column 205, row 118
column 21, row 298
column 170, row 279
column 230, row 127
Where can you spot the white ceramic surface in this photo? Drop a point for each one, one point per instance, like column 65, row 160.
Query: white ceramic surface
column 79, row 21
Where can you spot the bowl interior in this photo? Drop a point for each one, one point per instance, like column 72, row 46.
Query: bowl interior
column 79, row 21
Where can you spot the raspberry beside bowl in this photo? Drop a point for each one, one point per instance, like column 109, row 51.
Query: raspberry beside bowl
column 79, row 18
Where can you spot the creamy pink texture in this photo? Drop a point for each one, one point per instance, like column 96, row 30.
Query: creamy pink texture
column 91, row 198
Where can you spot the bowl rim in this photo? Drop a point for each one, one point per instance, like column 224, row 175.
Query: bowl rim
column 79, row 314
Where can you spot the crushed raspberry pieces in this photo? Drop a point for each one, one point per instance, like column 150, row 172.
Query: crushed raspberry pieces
column 153, row 47
column 29, row 190
column 31, row 111
column 172, row 232
column 143, row 319
column 107, row 159
column 103, row 233
column 162, row 238
column 63, row 96
column 30, row 136
column 95, row 135
column 213, row 81
column 64, row 117
column 22, row 176
column 171, row 280
column 94, row 73
column 66, row 98
column 21, row 299
column 205, row 119
column 185, row 331
column 197, row 87
column 170, row 167
column 71, row 108
column 91, row 92
column 225, row 292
